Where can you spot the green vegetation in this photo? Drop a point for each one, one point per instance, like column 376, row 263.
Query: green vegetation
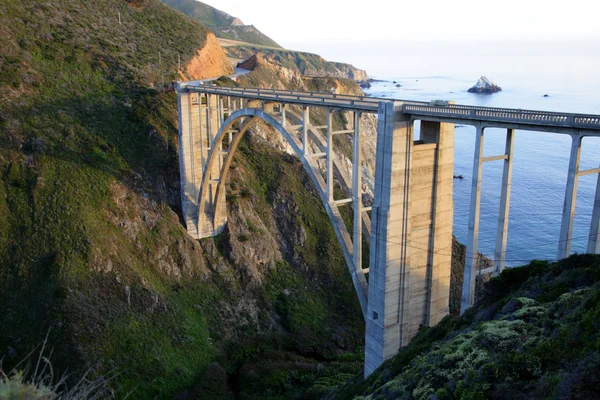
column 277, row 181
column 221, row 23
column 92, row 249
column 534, row 335
column 34, row 379
column 245, row 34
column 82, row 154
column 201, row 12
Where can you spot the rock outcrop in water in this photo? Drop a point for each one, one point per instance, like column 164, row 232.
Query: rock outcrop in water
column 485, row 85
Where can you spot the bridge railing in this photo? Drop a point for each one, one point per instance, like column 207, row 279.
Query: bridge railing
column 506, row 115
column 371, row 104
column 310, row 94
column 295, row 97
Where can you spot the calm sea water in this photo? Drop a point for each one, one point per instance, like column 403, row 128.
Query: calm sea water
column 567, row 72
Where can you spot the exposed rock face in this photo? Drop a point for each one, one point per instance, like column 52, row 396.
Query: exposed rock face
column 351, row 72
column 250, row 63
column 269, row 74
column 485, row 85
column 237, row 22
column 307, row 64
column 210, row 62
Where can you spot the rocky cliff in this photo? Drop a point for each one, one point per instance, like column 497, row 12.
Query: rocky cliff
column 306, row 64
column 351, row 72
column 210, row 61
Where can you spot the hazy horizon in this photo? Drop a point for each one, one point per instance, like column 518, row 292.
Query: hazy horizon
column 368, row 55
column 431, row 20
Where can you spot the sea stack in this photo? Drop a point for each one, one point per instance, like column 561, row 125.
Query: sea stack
column 485, row 85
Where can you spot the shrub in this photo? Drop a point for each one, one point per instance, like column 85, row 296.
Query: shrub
column 42, row 384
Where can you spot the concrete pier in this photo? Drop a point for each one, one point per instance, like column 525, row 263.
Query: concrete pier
column 411, row 235
column 471, row 257
column 190, row 158
column 502, row 230
column 594, row 240
column 566, row 227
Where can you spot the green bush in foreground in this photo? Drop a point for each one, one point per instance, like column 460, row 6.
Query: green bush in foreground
column 28, row 382
column 535, row 335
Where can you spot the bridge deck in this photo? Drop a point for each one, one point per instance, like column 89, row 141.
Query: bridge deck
column 509, row 117
column 587, row 124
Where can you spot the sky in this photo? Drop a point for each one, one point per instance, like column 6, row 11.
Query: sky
column 296, row 24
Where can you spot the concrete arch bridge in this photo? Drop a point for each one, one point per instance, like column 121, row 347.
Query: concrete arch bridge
column 409, row 225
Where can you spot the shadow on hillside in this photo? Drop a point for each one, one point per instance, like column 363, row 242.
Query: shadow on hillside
column 133, row 138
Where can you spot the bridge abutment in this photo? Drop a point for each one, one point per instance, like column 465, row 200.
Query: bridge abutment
column 411, row 237
column 199, row 117
column 190, row 158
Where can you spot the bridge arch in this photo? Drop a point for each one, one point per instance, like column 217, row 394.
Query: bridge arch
column 212, row 200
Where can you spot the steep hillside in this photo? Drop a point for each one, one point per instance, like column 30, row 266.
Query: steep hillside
column 202, row 12
column 535, row 335
column 92, row 249
column 246, row 34
column 222, row 24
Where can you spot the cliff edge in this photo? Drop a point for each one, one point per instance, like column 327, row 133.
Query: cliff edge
column 210, row 61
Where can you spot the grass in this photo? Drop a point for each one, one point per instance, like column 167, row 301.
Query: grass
column 83, row 157
column 166, row 353
column 220, row 22
column 201, row 12
column 39, row 382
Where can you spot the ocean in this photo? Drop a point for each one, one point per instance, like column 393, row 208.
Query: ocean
column 565, row 71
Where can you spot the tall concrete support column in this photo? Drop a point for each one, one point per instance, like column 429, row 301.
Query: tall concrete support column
column 566, row 227
column 411, row 233
column 594, row 240
column 190, row 156
column 210, row 108
column 439, row 238
column 221, row 113
column 468, row 292
column 305, row 124
column 329, row 167
column 502, row 232
column 386, row 319
column 204, row 139
column 283, row 107
column 357, row 194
